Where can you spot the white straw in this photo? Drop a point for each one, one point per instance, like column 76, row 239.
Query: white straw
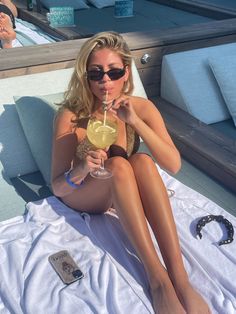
column 105, row 111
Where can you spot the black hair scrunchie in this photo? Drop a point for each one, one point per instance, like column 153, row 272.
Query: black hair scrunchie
column 219, row 218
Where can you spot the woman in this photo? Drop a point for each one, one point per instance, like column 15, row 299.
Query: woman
column 136, row 190
column 8, row 12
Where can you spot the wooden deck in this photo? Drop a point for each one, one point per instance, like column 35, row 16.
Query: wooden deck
column 148, row 15
column 201, row 144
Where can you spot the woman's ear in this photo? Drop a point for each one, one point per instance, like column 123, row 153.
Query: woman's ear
column 127, row 72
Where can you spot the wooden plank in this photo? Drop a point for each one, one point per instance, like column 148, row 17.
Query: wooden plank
column 62, row 51
column 185, row 122
column 36, row 69
column 39, row 54
column 213, row 170
column 150, row 75
column 201, row 144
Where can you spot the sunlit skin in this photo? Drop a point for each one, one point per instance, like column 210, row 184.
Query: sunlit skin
column 7, row 33
column 136, row 189
column 11, row 6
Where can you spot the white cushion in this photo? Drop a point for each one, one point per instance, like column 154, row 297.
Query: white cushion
column 11, row 203
column 188, row 82
column 76, row 4
column 224, row 69
column 15, row 153
column 138, row 85
column 36, row 115
column 102, row 3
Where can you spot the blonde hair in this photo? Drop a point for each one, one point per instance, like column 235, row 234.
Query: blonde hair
column 79, row 98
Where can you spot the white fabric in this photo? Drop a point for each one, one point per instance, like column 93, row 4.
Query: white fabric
column 33, row 35
column 114, row 279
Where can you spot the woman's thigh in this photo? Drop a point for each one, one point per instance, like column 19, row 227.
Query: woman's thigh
column 94, row 196
column 142, row 164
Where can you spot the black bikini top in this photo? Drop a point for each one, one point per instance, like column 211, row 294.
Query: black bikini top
column 6, row 10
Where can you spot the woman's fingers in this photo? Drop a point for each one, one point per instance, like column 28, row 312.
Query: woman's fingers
column 120, row 101
column 94, row 158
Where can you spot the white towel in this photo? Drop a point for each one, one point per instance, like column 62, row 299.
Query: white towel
column 115, row 280
column 28, row 34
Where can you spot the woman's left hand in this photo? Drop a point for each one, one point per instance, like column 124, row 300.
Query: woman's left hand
column 124, row 109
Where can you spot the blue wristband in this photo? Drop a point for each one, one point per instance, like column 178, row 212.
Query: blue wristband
column 71, row 183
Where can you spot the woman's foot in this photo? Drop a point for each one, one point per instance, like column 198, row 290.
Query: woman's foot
column 165, row 300
column 191, row 300
column 7, row 33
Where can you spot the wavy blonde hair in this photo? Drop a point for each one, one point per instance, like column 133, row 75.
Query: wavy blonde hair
column 78, row 97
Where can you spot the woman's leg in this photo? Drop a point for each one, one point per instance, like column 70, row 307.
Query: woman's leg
column 128, row 205
column 159, row 214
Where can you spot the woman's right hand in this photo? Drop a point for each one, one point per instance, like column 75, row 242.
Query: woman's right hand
column 124, row 109
column 94, row 159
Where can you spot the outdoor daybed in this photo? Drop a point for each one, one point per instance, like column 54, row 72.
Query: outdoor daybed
column 200, row 83
column 114, row 280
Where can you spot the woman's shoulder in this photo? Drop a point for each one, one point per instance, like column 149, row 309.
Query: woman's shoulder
column 141, row 103
column 140, row 100
column 65, row 120
column 146, row 109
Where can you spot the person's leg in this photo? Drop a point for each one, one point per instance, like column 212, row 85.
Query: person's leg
column 7, row 33
column 11, row 6
column 128, row 205
column 158, row 211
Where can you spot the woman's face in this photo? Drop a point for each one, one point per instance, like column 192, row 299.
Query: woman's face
column 105, row 88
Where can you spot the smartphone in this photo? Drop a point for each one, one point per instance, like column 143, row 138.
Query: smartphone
column 65, row 267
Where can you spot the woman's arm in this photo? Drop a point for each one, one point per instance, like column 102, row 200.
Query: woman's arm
column 65, row 140
column 147, row 121
column 63, row 155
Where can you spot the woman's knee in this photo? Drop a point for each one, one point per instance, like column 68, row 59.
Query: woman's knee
column 142, row 161
column 120, row 167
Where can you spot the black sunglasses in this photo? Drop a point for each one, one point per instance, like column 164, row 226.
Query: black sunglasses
column 97, row 75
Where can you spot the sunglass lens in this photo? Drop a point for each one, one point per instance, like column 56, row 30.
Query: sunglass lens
column 95, row 75
column 116, row 74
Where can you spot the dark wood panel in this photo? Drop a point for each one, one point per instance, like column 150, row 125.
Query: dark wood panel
column 152, row 90
column 213, row 170
column 151, row 80
column 150, row 75
column 201, row 144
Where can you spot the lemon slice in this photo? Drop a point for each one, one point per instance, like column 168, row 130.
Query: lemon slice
column 105, row 129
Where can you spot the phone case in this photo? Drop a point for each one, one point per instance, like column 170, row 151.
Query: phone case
column 65, row 267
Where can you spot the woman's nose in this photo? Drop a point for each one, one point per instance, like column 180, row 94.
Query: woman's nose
column 106, row 77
